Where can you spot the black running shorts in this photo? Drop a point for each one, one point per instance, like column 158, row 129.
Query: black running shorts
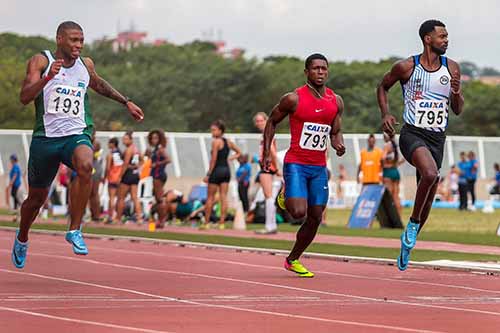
column 412, row 137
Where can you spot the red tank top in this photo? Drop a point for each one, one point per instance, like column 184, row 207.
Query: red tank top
column 310, row 127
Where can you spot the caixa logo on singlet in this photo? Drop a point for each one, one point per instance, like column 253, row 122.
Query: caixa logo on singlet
column 318, row 128
column 69, row 92
column 430, row 104
column 444, row 80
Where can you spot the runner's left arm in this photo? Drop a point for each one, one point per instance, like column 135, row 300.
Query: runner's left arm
column 103, row 88
column 336, row 137
column 456, row 98
column 235, row 148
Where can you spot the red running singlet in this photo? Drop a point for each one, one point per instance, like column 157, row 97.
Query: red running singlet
column 310, row 127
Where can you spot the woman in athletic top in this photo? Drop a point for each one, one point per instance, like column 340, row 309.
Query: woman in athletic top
column 219, row 174
column 159, row 160
column 132, row 160
column 266, row 178
column 390, row 163
column 114, row 164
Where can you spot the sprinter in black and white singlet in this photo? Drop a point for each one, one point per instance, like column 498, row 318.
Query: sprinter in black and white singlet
column 431, row 87
column 426, row 96
column 57, row 83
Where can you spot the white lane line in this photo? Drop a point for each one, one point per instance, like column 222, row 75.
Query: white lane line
column 280, row 286
column 228, row 307
column 278, row 268
column 80, row 321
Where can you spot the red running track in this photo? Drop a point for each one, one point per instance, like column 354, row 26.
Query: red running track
column 124, row 286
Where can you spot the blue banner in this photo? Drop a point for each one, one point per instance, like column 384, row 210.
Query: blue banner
column 366, row 206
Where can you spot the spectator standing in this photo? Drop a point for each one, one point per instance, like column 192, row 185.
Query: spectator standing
column 463, row 167
column 114, row 164
column 472, row 177
column 496, row 187
column 371, row 163
column 243, row 175
column 14, row 183
column 219, row 174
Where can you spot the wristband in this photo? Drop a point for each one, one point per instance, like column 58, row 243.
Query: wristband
column 127, row 100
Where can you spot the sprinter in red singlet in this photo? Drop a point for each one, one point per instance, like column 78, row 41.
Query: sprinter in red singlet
column 315, row 115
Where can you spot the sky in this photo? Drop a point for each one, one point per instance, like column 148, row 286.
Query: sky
column 342, row 30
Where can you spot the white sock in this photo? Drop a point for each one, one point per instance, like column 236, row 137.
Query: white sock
column 270, row 215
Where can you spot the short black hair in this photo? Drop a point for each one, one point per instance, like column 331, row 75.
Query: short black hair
column 66, row 25
column 314, row 56
column 114, row 141
column 428, row 26
column 371, row 135
column 220, row 125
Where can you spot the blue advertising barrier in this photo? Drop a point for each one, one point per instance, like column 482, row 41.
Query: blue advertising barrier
column 374, row 200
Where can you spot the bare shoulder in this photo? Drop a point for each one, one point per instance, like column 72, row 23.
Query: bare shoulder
column 289, row 101
column 453, row 65
column 89, row 63
column 38, row 62
column 340, row 101
column 403, row 66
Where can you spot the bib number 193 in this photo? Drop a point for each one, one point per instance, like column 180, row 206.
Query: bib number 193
column 65, row 101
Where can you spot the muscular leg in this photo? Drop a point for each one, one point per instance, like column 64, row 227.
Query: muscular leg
column 95, row 207
column 158, row 189
column 427, row 208
column 30, row 209
column 307, row 231
column 80, row 189
column 223, row 202
column 429, row 178
column 137, row 203
column 212, row 189
column 120, row 205
column 111, row 205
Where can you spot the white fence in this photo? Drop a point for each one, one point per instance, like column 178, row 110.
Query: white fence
column 190, row 151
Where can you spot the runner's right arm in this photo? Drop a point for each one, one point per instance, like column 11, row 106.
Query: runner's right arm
column 400, row 71
column 287, row 105
column 33, row 82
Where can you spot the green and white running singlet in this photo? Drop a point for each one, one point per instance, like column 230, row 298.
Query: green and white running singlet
column 62, row 108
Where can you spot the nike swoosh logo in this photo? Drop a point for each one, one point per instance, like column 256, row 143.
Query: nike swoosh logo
column 82, row 140
column 318, row 110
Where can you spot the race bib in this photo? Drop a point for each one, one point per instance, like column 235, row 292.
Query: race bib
column 431, row 113
column 117, row 159
column 66, row 101
column 135, row 159
column 314, row 136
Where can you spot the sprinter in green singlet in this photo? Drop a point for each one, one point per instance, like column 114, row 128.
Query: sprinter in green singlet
column 57, row 83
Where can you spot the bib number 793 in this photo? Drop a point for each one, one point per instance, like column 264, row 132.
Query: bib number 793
column 314, row 136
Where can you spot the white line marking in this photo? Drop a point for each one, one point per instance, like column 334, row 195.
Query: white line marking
column 79, row 321
column 250, row 282
column 278, row 268
column 272, row 313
